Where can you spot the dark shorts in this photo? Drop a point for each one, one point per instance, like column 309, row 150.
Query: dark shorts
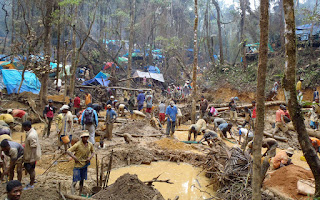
column 29, row 166
column 80, row 174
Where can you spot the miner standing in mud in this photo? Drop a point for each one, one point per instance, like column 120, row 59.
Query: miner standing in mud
column 89, row 121
column 280, row 122
column 32, row 151
column 48, row 113
column 111, row 117
column 83, row 153
column 203, row 107
column 171, row 113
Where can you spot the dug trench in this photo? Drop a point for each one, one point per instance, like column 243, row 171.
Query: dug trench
column 196, row 171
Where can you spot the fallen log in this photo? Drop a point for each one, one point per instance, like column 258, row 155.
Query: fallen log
column 134, row 135
column 121, row 88
column 311, row 132
column 269, row 103
column 283, row 139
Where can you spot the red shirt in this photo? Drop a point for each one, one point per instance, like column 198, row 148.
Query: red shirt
column 76, row 102
column 254, row 114
column 279, row 113
column 18, row 113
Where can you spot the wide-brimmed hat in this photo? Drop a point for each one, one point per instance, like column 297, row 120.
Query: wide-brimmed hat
column 108, row 106
column 85, row 134
column 64, row 107
column 9, row 110
column 290, row 151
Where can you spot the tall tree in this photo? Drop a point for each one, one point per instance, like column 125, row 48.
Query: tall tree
column 290, row 89
column 195, row 61
column 259, row 127
column 208, row 37
column 242, row 27
column 47, row 50
column 132, row 16
column 216, row 4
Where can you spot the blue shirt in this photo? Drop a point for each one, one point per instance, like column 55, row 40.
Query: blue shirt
column 140, row 98
column 95, row 116
column 111, row 114
column 172, row 112
column 223, row 126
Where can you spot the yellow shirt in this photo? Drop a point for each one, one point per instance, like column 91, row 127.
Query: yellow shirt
column 88, row 99
column 81, row 152
column 7, row 118
column 298, row 85
column 59, row 121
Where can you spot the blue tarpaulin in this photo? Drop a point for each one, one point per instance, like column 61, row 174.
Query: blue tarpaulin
column 153, row 69
column 100, row 79
column 12, row 78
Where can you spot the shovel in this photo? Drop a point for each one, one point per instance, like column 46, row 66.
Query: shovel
column 54, row 163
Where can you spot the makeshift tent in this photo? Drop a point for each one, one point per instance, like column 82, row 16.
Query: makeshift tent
column 155, row 76
column 257, row 46
column 12, row 78
column 122, row 59
column 7, row 65
column 100, row 79
column 153, row 69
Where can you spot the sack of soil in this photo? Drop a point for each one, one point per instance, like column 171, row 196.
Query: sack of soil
column 306, row 187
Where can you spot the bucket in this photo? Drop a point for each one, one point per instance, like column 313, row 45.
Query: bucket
column 65, row 139
column 303, row 158
column 95, row 189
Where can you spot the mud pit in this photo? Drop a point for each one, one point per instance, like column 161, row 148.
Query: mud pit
column 187, row 180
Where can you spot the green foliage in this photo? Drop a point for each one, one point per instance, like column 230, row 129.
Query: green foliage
column 121, row 14
column 69, row 2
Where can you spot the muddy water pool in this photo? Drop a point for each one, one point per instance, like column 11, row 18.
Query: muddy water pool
column 188, row 180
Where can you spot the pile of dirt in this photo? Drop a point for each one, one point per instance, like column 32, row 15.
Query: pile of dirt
column 129, row 187
column 65, row 167
column 171, row 144
column 285, row 180
column 58, row 98
column 138, row 128
column 40, row 193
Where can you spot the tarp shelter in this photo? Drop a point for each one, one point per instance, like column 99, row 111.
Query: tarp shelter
column 155, row 76
column 153, row 69
column 7, row 65
column 304, row 31
column 257, row 46
column 12, row 78
column 122, row 59
column 100, row 79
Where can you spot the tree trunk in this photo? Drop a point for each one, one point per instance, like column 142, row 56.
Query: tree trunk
column 195, row 62
column 259, row 128
column 208, row 37
column 242, row 39
column 281, row 24
column 132, row 15
column 58, row 46
column 289, row 86
column 216, row 4
column 73, row 55
column 47, row 51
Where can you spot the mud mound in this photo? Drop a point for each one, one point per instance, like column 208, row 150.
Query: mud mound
column 27, row 95
column 58, row 98
column 130, row 155
column 129, row 187
column 285, row 180
column 40, row 193
column 13, row 105
column 65, row 167
column 170, row 144
column 138, row 128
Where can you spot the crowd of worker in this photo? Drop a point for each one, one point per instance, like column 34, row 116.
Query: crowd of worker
column 16, row 155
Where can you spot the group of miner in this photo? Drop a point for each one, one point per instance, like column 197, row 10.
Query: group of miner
column 18, row 156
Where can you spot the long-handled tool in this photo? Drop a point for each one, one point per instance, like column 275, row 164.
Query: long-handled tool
column 108, row 172
column 97, row 170
column 54, row 162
